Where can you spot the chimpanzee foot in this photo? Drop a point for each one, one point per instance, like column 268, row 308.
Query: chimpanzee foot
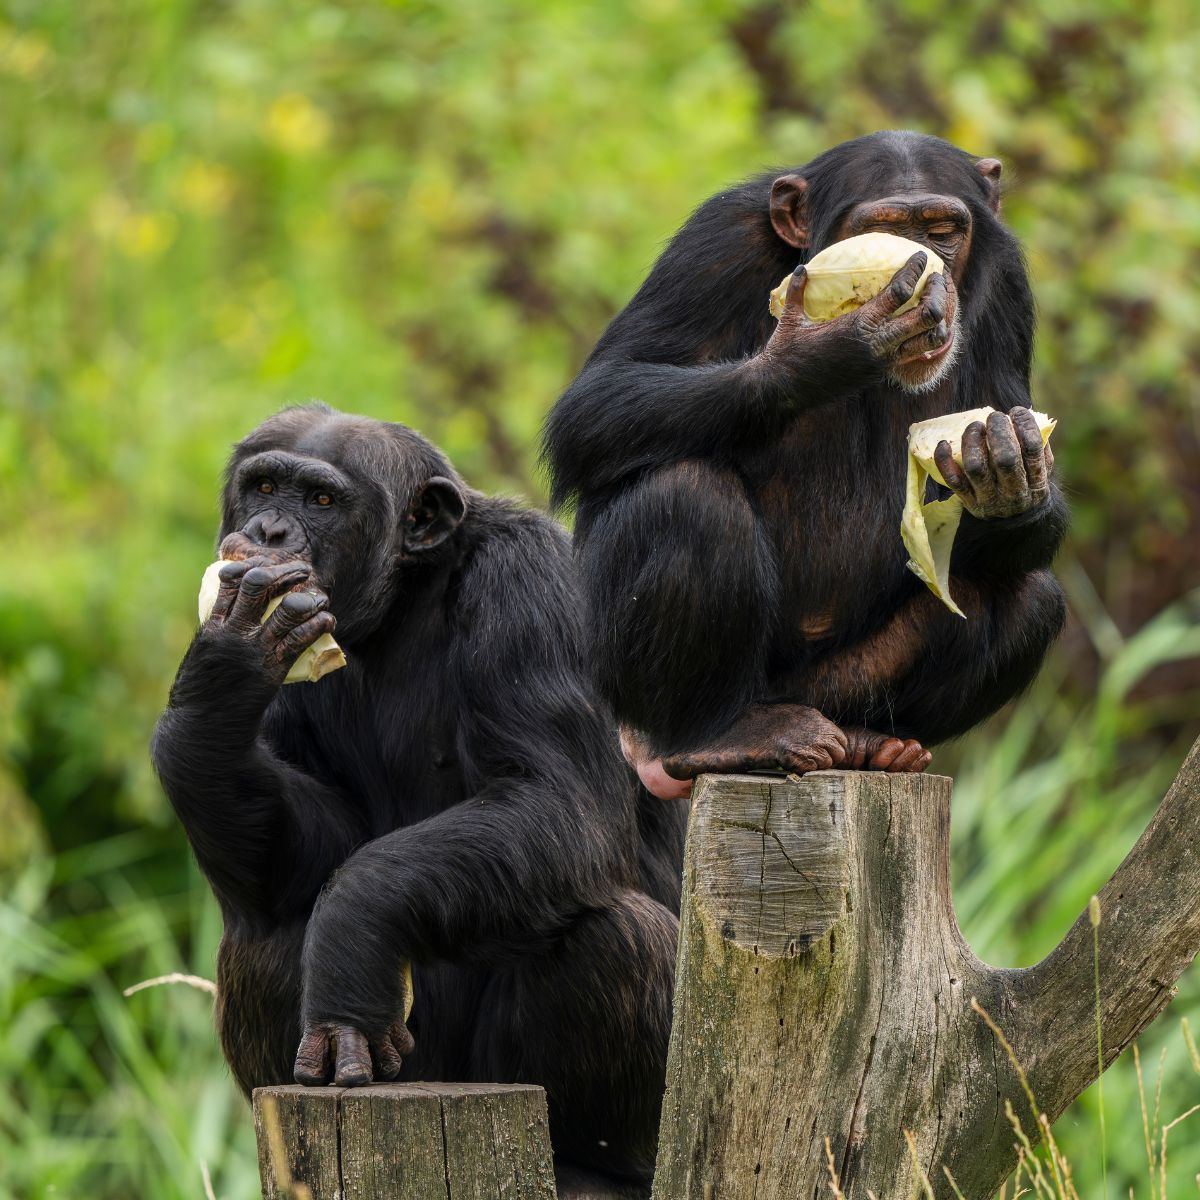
column 791, row 738
column 867, row 750
column 349, row 1056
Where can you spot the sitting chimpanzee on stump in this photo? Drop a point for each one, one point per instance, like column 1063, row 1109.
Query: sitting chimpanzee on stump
column 739, row 484
column 455, row 790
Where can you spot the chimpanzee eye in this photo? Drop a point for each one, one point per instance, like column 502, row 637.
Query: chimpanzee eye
column 324, row 499
column 266, row 487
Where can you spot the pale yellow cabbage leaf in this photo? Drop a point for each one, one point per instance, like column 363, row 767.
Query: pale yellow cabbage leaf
column 928, row 530
column 847, row 274
column 322, row 657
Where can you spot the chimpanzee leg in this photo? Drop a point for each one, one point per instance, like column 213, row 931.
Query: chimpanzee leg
column 590, row 1021
column 682, row 580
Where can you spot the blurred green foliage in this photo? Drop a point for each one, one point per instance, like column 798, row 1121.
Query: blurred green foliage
column 426, row 212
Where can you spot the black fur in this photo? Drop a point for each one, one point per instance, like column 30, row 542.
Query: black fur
column 722, row 498
column 457, row 793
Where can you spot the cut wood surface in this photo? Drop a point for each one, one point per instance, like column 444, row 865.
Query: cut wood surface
column 824, row 990
column 428, row 1141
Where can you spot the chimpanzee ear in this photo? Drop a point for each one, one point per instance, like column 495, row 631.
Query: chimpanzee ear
column 434, row 515
column 789, row 209
column 989, row 168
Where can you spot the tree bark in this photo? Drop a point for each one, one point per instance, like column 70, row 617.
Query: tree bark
column 824, row 990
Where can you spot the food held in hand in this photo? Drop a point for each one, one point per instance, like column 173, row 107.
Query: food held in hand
column 322, row 657
column 928, row 529
column 847, row 274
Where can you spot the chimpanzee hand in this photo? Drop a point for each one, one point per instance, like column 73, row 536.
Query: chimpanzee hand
column 1005, row 467
column 247, row 589
column 871, row 334
column 348, row 1057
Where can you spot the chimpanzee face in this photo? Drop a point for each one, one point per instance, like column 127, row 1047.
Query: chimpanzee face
column 359, row 500
column 912, row 186
column 942, row 224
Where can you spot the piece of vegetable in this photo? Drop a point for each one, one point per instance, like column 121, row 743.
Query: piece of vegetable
column 928, row 529
column 322, row 657
column 847, row 274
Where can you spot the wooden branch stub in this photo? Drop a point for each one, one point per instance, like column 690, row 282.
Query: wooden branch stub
column 441, row 1141
column 823, row 990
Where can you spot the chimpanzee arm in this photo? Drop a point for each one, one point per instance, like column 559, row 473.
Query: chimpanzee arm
column 695, row 366
column 932, row 675
column 250, row 817
column 1012, row 546
column 539, row 840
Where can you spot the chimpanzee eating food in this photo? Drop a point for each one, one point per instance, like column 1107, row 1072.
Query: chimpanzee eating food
column 738, row 483
column 453, row 798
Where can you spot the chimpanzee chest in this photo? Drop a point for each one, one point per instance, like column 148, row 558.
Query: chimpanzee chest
column 830, row 493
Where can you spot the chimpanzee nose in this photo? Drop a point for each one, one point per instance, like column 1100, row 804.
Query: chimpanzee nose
column 273, row 530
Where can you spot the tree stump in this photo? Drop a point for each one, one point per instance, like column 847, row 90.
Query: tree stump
column 824, row 990
column 428, row 1141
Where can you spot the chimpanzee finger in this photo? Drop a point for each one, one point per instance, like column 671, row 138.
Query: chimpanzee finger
column 1004, row 450
column 386, row 1059
column 953, row 474
column 976, row 462
column 260, row 585
column 298, row 639
column 404, row 1041
column 353, row 1064
column 884, row 754
column 230, row 576
column 934, row 299
column 313, row 1059
column 1030, row 437
column 913, row 757
column 793, row 302
column 902, row 285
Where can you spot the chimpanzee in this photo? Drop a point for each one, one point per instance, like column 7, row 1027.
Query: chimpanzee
column 738, row 485
column 452, row 798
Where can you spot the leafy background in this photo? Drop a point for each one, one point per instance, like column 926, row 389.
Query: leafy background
column 427, row 212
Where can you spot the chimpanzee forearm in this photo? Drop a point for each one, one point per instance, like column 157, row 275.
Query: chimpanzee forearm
column 931, row 675
column 245, row 812
column 621, row 417
column 486, row 879
column 1006, row 549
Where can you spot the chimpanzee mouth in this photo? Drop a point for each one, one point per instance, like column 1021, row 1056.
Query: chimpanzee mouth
column 921, row 372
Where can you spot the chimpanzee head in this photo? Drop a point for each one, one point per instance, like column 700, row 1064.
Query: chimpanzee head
column 362, row 500
column 927, row 190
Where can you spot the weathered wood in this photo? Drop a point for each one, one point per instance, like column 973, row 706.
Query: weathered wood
column 297, row 1130
column 434, row 1141
column 392, row 1144
column 823, row 990
column 497, row 1142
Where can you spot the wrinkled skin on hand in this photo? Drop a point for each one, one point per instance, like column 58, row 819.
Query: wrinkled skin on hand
column 247, row 588
column 341, row 1054
column 1005, row 466
column 911, row 348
